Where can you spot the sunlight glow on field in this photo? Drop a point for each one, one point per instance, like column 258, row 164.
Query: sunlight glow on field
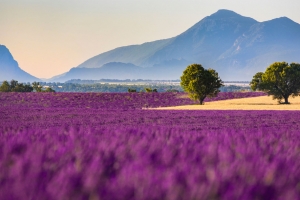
column 252, row 103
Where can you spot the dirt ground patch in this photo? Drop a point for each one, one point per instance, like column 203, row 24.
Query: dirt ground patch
column 253, row 103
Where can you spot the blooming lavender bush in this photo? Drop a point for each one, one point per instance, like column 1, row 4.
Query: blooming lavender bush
column 104, row 146
column 107, row 100
column 143, row 163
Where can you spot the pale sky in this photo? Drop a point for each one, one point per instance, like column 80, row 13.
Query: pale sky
column 49, row 37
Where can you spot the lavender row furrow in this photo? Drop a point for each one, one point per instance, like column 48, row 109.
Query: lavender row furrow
column 105, row 146
column 143, row 163
column 107, row 100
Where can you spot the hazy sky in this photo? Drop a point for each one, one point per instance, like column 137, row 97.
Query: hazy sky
column 48, row 37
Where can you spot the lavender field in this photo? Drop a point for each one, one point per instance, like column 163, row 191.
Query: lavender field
column 106, row 146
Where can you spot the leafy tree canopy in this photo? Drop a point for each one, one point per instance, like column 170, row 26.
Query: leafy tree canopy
column 5, row 87
column 14, row 86
column 150, row 90
column 200, row 83
column 131, row 90
column 280, row 80
column 37, row 87
column 48, row 89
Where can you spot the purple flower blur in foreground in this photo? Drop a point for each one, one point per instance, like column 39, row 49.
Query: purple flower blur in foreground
column 78, row 146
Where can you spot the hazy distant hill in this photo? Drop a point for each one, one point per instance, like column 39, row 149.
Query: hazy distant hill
column 135, row 54
column 126, row 71
column 236, row 46
column 9, row 68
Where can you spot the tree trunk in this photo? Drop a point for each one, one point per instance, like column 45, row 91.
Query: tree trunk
column 286, row 100
column 201, row 100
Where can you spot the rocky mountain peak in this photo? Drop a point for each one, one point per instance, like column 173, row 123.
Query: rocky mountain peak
column 5, row 55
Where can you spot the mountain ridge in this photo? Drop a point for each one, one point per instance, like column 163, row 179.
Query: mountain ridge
column 10, row 69
column 122, row 50
column 235, row 45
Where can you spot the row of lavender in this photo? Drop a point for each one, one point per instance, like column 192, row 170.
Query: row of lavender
column 149, row 163
column 90, row 149
column 107, row 100
column 185, row 120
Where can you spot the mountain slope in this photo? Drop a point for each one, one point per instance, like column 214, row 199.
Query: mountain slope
column 236, row 46
column 263, row 44
column 135, row 54
column 117, row 70
column 9, row 68
column 206, row 40
column 125, row 71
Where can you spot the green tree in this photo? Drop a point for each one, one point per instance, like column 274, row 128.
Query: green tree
column 200, row 83
column 256, row 81
column 14, row 86
column 49, row 89
column 131, row 90
column 37, row 87
column 19, row 87
column 148, row 90
column 5, row 87
column 28, row 88
column 280, row 80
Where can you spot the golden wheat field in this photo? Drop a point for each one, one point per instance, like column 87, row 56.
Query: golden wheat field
column 253, row 103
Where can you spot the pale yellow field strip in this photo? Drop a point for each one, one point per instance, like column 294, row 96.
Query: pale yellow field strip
column 253, row 103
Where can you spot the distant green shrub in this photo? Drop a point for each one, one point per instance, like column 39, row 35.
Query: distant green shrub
column 131, row 90
column 150, row 90
column 14, row 86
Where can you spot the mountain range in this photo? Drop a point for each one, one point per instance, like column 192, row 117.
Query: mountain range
column 234, row 45
column 9, row 68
